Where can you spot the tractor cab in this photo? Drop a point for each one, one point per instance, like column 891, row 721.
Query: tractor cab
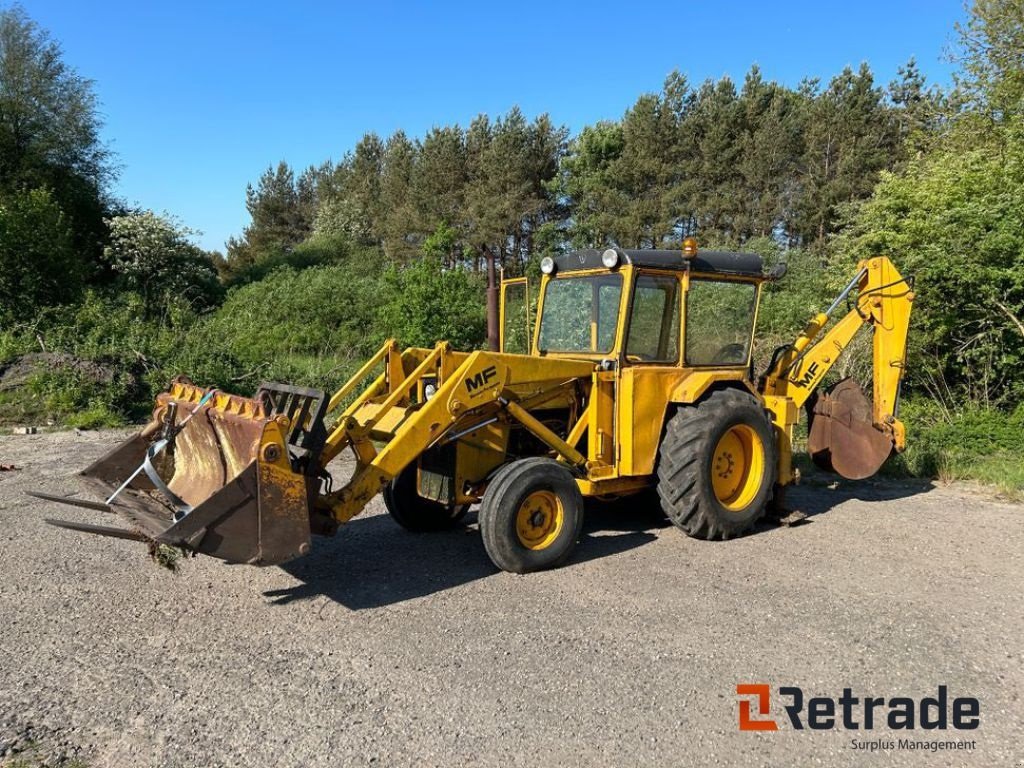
column 638, row 308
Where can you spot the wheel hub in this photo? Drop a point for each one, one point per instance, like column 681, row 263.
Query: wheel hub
column 737, row 467
column 539, row 519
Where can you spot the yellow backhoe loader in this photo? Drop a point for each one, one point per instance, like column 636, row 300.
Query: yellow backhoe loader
column 637, row 374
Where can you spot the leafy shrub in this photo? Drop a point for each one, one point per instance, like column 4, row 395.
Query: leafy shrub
column 101, row 357
column 426, row 303
column 976, row 443
column 39, row 264
column 318, row 251
column 154, row 257
column 954, row 218
column 307, row 327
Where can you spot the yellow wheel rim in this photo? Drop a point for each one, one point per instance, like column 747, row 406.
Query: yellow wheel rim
column 737, row 467
column 539, row 519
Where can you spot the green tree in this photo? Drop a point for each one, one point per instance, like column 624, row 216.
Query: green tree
column 282, row 211
column 154, row 257
column 397, row 208
column 992, row 57
column 511, row 164
column 955, row 219
column 50, row 128
column 769, row 149
column 39, row 264
column 919, row 108
column 438, row 185
column 587, row 180
column 647, row 172
column 427, row 303
column 850, row 138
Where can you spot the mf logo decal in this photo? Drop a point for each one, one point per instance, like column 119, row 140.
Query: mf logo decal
column 763, row 694
column 481, row 378
column 808, row 378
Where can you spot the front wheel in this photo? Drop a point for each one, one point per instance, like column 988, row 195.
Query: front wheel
column 717, row 465
column 531, row 515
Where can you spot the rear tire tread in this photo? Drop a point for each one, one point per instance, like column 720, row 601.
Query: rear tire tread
column 682, row 472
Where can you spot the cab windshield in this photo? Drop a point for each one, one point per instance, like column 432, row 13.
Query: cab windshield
column 580, row 314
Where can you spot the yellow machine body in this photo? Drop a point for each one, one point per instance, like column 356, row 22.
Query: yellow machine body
column 590, row 384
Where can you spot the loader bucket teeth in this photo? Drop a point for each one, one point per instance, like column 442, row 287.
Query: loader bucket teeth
column 71, row 501
column 100, row 530
column 229, row 485
column 841, row 437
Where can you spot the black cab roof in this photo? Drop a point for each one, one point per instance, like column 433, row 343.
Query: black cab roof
column 713, row 262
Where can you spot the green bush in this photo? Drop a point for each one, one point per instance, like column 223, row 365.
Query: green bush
column 306, row 327
column 154, row 257
column 983, row 444
column 39, row 264
column 426, row 303
column 318, row 251
column 954, row 219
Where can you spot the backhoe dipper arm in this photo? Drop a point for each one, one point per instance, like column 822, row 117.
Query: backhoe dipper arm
column 883, row 301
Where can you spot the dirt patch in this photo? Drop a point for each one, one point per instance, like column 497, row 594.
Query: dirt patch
column 18, row 372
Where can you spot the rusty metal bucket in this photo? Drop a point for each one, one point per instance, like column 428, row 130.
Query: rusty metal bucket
column 841, row 436
column 234, row 481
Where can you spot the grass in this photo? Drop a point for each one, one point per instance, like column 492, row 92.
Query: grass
column 983, row 445
column 166, row 556
column 32, row 757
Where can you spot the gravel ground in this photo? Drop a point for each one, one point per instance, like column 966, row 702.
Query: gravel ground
column 387, row 648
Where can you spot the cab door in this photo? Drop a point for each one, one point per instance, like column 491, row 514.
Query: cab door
column 516, row 322
column 651, row 356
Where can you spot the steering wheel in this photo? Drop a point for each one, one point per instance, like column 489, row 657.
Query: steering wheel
column 731, row 354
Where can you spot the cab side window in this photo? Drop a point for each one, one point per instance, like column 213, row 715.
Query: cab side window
column 654, row 320
column 719, row 322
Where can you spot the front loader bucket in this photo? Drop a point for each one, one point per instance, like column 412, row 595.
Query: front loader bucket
column 232, row 483
column 841, row 437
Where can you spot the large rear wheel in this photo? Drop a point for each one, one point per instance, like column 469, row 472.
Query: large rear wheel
column 415, row 513
column 717, row 465
column 531, row 515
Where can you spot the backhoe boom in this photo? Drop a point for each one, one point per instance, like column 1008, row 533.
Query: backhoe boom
column 883, row 302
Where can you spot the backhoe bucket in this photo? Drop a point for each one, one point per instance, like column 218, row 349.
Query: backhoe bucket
column 842, row 437
column 230, row 482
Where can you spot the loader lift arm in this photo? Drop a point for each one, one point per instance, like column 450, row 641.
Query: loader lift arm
column 476, row 390
column 845, row 434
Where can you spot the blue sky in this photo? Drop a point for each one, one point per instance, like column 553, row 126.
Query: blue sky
column 200, row 97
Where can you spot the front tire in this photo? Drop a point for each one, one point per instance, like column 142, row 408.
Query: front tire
column 415, row 513
column 717, row 465
column 531, row 515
